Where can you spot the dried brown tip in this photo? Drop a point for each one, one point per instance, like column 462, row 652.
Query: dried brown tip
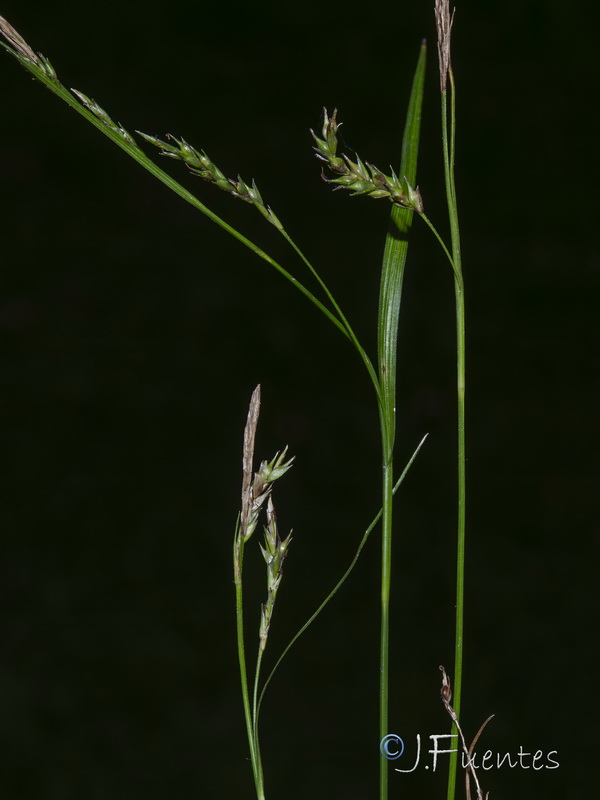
column 17, row 41
column 248, row 456
column 446, row 690
column 443, row 23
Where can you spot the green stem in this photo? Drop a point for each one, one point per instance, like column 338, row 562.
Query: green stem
column 238, row 558
column 255, row 720
column 431, row 227
column 340, row 315
column 449, row 150
column 390, row 295
column 386, row 582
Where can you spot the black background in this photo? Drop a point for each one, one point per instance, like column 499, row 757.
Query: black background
column 134, row 330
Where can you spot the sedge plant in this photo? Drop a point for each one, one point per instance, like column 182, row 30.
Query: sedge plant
column 360, row 178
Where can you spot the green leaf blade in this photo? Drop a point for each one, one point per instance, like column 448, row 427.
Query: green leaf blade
column 394, row 256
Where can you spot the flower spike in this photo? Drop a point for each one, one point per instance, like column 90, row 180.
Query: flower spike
column 359, row 177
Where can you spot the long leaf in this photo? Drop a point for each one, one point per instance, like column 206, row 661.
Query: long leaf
column 394, row 256
column 392, row 273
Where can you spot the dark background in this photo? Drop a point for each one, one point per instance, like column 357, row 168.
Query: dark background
column 134, row 330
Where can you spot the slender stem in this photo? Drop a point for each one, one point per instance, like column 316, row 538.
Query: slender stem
column 255, row 718
column 390, row 295
column 340, row 315
column 238, row 558
column 461, row 524
column 385, row 397
column 449, row 150
column 386, row 582
column 431, row 227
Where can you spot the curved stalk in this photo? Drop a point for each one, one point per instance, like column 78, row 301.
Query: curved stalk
column 43, row 71
column 341, row 316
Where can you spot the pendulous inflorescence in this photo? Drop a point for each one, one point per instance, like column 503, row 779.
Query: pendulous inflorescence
column 201, row 165
column 360, row 177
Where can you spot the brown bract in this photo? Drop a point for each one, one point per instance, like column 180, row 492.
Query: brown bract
column 17, row 41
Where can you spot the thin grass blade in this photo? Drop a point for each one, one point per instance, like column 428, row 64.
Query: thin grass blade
column 342, row 580
column 394, row 256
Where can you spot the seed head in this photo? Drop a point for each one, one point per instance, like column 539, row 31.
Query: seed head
column 360, row 177
column 443, row 22
column 201, row 165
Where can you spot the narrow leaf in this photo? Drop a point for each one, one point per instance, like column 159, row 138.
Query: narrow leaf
column 394, row 257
